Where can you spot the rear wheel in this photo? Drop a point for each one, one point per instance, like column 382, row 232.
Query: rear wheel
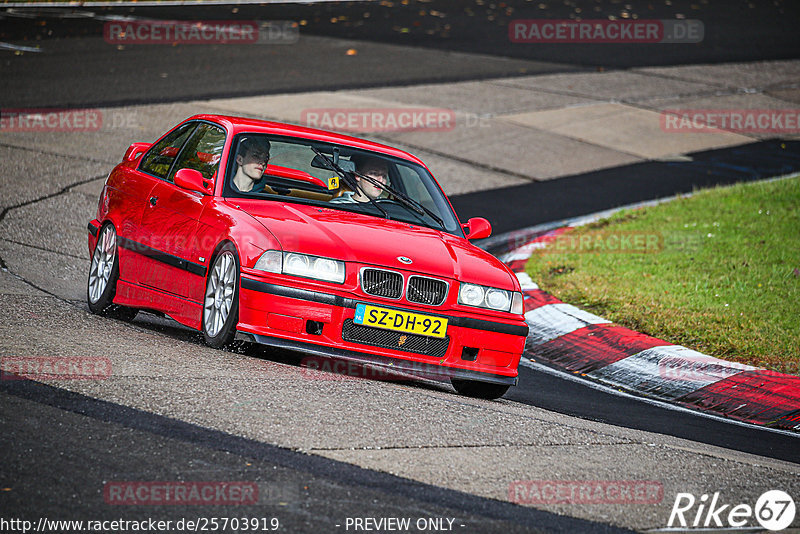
column 221, row 301
column 479, row 390
column 103, row 275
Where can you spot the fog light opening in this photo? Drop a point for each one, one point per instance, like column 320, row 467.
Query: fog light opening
column 314, row 328
column 469, row 354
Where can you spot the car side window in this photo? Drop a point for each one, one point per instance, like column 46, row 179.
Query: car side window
column 160, row 157
column 202, row 152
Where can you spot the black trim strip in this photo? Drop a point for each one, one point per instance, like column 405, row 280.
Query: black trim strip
column 163, row 257
column 159, row 291
column 343, row 302
column 93, row 229
column 295, row 293
column 397, row 365
column 500, row 328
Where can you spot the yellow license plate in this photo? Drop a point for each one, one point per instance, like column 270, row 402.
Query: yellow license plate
column 400, row 321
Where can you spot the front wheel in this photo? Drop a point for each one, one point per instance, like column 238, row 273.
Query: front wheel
column 479, row 390
column 103, row 275
column 221, row 301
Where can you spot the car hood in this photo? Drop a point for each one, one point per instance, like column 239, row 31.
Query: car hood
column 355, row 237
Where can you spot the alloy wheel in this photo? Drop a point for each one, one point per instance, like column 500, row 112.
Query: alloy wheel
column 102, row 263
column 219, row 293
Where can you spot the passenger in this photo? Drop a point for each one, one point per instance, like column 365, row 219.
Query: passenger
column 375, row 168
column 251, row 161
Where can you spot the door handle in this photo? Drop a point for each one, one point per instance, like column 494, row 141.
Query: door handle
column 153, row 201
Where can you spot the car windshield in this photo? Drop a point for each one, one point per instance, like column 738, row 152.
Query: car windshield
column 338, row 177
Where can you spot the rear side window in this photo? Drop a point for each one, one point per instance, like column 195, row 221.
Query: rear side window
column 202, row 152
column 160, row 157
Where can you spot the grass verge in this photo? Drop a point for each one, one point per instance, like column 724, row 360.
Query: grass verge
column 718, row 271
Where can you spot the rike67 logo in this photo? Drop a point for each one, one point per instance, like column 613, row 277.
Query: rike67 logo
column 774, row 510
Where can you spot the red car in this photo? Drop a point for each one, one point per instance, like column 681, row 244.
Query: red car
column 306, row 240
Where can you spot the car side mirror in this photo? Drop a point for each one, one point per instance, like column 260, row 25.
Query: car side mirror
column 192, row 180
column 477, row 228
column 136, row 150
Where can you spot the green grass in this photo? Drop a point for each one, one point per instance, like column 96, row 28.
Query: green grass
column 723, row 277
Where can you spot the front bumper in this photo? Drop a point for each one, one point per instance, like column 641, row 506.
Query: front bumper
column 312, row 321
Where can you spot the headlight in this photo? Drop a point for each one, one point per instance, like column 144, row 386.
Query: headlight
column 297, row 264
column 471, row 295
column 490, row 297
column 304, row 265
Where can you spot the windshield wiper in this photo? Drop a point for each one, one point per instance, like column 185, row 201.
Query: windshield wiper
column 350, row 182
column 406, row 201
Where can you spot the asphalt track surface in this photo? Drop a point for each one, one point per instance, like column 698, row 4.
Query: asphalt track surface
column 572, row 196
column 321, row 493
column 90, row 72
column 571, row 397
column 49, row 444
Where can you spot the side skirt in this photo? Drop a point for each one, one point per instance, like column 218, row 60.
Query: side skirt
column 186, row 312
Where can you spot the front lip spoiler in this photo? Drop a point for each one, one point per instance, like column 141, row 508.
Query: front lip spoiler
column 416, row 369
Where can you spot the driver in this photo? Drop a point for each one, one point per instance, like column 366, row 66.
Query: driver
column 251, row 162
column 375, row 168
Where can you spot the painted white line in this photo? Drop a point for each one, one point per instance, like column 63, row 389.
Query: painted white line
column 524, row 252
column 525, row 282
column 9, row 46
column 555, row 320
column 514, row 256
column 654, row 402
column 668, row 371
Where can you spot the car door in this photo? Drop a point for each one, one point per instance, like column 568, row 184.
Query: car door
column 170, row 223
column 153, row 168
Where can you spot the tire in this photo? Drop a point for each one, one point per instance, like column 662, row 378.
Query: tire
column 221, row 298
column 101, row 285
column 479, row 390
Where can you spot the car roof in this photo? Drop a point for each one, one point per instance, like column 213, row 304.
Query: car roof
column 237, row 125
